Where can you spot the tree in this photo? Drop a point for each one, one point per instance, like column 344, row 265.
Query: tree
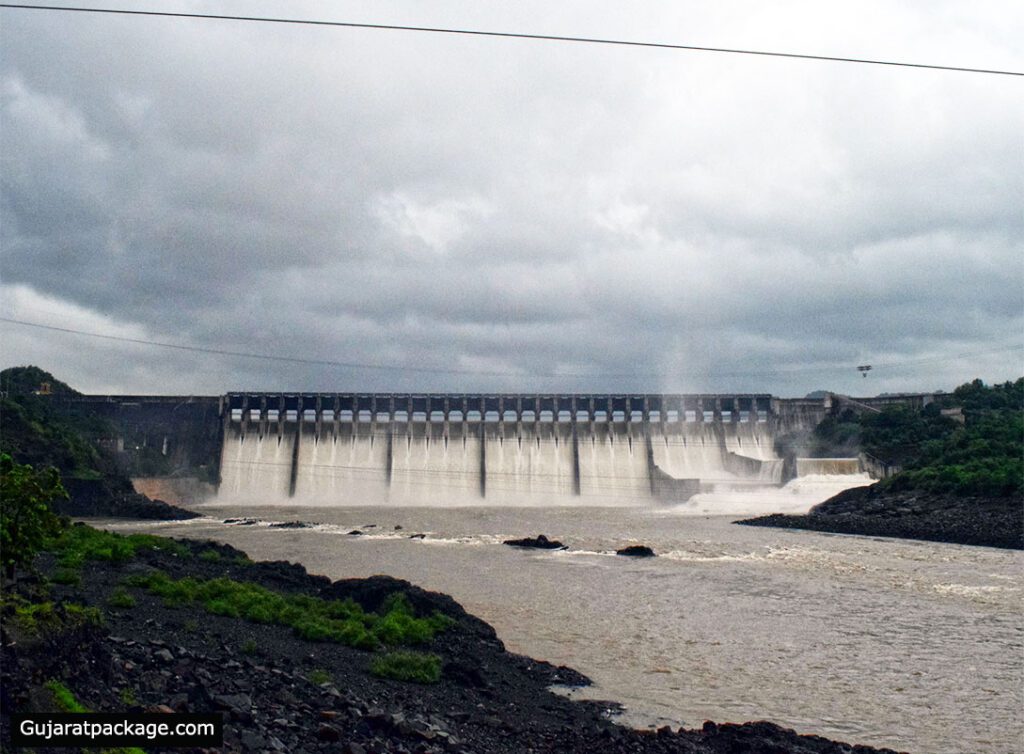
column 26, row 520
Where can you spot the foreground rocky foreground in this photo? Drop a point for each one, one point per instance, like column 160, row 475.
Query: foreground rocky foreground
column 282, row 693
column 872, row 511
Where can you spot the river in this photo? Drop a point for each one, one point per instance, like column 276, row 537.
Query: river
column 913, row 645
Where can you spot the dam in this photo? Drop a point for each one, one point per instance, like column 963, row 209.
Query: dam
column 405, row 448
column 348, row 448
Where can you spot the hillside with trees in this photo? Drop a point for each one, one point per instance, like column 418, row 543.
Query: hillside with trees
column 962, row 471
column 982, row 455
column 38, row 433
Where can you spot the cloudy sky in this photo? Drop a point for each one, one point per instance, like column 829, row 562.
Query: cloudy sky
column 526, row 215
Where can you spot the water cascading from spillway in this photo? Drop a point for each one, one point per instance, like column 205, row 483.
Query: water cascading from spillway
column 255, row 466
column 347, row 468
column 345, row 461
column 613, row 465
column 429, row 469
column 534, row 462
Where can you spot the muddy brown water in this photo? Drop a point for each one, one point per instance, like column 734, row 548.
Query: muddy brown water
column 917, row 646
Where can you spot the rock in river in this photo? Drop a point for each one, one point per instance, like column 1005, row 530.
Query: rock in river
column 539, row 542
column 636, row 551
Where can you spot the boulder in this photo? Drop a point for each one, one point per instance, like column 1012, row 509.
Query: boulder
column 636, row 551
column 540, row 542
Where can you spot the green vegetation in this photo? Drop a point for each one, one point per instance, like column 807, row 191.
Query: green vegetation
column 65, row 700
column 63, row 697
column 26, row 520
column 28, row 380
column 41, row 434
column 66, row 576
column 407, row 666
column 128, row 697
column 249, row 647
column 211, row 556
column 81, row 543
column 311, row 618
column 319, row 676
column 837, row 436
column 984, row 455
column 46, row 620
column 120, row 598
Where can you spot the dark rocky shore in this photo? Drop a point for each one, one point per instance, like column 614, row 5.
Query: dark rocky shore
column 281, row 693
column 987, row 521
column 89, row 498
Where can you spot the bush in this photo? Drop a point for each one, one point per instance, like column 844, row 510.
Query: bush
column 26, row 521
column 416, row 667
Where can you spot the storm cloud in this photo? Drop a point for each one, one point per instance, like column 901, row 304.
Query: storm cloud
column 528, row 215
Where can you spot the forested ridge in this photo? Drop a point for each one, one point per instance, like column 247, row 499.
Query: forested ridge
column 983, row 455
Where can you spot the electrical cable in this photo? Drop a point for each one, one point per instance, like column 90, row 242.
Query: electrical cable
column 491, row 373
column 511, row 35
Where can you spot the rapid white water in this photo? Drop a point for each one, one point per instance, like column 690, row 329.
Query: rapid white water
column 797, row 496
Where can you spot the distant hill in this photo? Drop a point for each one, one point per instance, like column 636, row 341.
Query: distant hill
column 31, row 380
column 817, row 395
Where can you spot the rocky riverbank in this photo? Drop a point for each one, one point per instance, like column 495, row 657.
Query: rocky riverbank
column 872, row 511
column 280, row 692
column 88, row 498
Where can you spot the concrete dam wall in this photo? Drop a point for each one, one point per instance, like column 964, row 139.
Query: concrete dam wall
column 369, row 448
column 592, row 449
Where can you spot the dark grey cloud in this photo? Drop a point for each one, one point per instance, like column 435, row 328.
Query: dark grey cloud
column 648, row 220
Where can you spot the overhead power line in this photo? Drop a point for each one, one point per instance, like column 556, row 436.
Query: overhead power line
column 482, row 373
column 511, row 35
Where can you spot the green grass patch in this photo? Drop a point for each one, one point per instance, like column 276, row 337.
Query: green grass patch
column 66, row 576
column 249, row 647
column 211, row 556
column 127, row 696
column 314, row 619
column 81, row 543
column 319, row 676
column 63, row 698
column 66, row 702
column 44, row 619
column 121, row 598
column 416, row 667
